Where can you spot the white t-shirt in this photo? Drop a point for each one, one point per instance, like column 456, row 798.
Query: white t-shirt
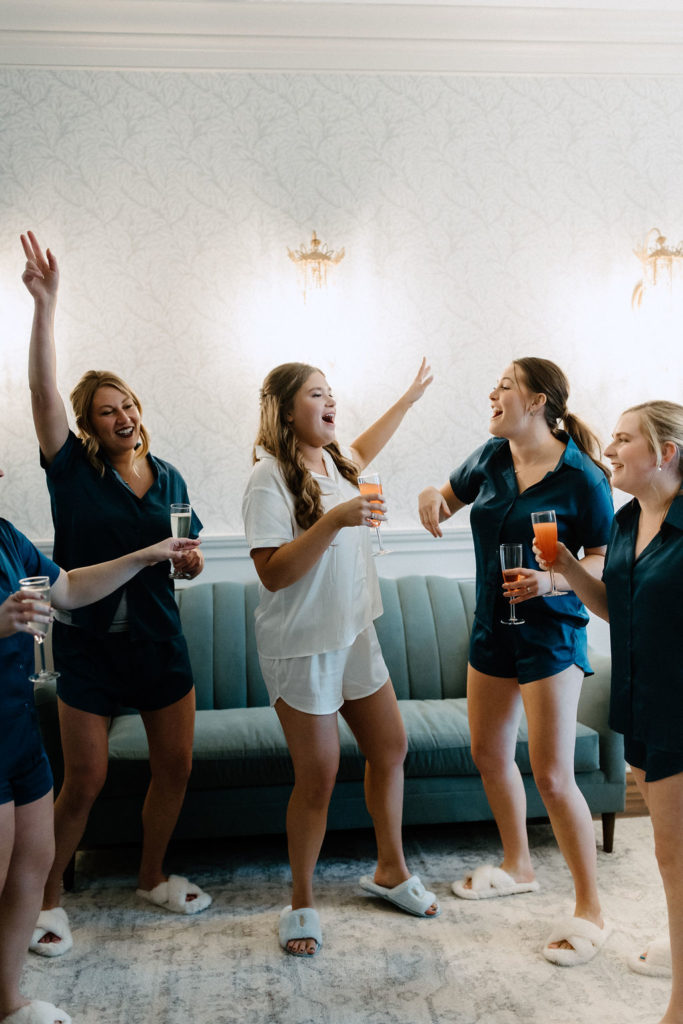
column 338, row 597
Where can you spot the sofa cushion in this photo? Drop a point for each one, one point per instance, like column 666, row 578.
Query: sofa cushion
column 246, row 747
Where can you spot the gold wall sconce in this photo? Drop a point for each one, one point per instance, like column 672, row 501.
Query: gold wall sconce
column 662, row 266
column 314, row 261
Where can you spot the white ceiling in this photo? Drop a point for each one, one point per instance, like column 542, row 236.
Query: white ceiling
column 508, row 37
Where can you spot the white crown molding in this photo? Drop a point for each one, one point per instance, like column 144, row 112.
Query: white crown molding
column 365, row 37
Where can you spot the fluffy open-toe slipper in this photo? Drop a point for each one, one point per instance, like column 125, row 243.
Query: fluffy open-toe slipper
column 56, row 922
column 655, row 960
column 488, row 881
column 410, row 895
column 38, row 1012
column 302, row 923
column 172, row 895
column 584, row 936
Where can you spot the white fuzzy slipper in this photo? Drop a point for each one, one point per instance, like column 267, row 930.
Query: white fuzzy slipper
column 410, row 895
column 655, row 960
column 302, row 923
column 586, row 938
column 38, row 1012
column 488, row 881
column 56, row 922
column 172, row 895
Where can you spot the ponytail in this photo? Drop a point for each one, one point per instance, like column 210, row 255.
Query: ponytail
column 545, row 377
column 584, row 439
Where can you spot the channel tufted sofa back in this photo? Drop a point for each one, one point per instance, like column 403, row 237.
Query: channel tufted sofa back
column 424, row 634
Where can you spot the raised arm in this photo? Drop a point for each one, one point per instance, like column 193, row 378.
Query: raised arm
column 41, row 278
column 372, row 440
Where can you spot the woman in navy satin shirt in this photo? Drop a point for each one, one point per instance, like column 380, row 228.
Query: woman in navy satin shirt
column 641, row 595
column 530, row 465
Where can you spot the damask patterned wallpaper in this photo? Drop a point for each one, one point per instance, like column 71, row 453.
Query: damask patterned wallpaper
column 482, row 217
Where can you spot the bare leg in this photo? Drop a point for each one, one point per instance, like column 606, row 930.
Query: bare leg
column 313, row 742
column 378, row 727
column 85, row 746
column 494, row 708
column 170, row 732
column 551, row 706
column 665, row 802
column 26, row 852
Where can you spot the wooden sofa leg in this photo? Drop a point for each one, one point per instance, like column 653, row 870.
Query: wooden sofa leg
column 69, row 876
column 608, row 822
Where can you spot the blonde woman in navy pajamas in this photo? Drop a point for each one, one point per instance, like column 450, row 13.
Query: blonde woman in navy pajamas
column 109, row 495
column 641, row 595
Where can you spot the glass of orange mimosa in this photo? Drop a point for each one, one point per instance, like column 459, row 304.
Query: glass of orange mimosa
column 545, row 535
column 510, row 562
column 370, row 483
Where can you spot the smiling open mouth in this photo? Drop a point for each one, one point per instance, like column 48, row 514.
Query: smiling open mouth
column 126, row 432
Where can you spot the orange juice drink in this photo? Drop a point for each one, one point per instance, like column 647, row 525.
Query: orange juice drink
column 368, row 488
column 546, row 540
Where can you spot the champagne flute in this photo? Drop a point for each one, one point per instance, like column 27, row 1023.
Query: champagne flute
column 370, row 483
column 38, row 587
column 545, row 535
column 510, row 562
column 181, row 523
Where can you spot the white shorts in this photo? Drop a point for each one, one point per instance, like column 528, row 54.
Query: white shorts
column 318, row 684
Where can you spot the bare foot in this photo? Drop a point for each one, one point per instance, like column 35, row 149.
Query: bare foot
column 304, row 947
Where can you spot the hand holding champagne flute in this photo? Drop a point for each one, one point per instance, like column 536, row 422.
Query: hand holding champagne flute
column 370, row 483
column 511, row 561
column 38, row 588
column 181, row 522
column 545, row 535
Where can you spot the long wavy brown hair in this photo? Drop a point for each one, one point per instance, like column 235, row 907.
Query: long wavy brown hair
column 82, row 398
column 277, row 436
column 546, row 377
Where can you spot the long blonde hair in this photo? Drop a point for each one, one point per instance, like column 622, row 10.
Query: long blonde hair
column 661, row 421
column 545, row 377
column 277, row 436
column 82, row 398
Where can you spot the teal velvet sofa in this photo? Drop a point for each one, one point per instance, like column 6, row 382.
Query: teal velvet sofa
column 242, row 774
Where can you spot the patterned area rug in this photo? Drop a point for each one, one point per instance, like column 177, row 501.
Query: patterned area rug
column 478, row 963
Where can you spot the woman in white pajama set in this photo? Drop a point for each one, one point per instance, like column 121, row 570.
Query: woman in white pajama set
column 317, row 644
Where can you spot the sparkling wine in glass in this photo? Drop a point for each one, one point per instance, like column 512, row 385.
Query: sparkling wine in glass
column 545, row 535
column 370, row 483
column 181, row 522
column 511, row 562
column 38, row 587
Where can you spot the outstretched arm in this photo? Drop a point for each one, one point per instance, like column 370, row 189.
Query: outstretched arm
column 91, row 583
column 41, row 278
column 85, row 585
column 372, row 440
